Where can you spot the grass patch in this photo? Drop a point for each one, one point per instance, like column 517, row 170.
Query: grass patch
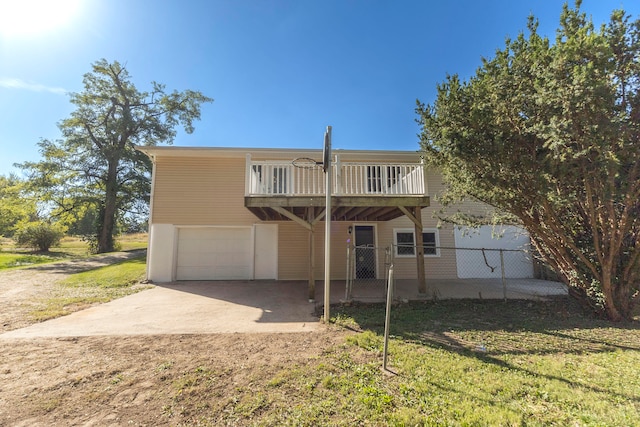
column 119, row 275
column 492, row 363
column 129, row 242
column 19, row 259
column 100, row 285
column 70, row 247
column 456, row 363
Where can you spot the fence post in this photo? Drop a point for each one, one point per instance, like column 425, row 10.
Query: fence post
column 387, row 319
column 347, row 295
column 504, row 281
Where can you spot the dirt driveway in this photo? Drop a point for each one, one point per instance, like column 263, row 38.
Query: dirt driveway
column 20, row 289
column 113, row 380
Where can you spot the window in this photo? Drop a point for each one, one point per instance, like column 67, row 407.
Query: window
column 404, row 240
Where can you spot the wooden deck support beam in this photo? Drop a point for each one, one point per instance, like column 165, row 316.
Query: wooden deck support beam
column 292, row 217
column 308, row 211
column 417, row 220
column 415, row 215
column 312, row 254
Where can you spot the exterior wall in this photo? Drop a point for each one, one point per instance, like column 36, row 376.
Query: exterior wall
column 436, row 267
column 160, row 260
column 293, row 248
column 200, row 191
column 192, row 190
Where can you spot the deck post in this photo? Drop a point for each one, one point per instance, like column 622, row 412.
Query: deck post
column 247, row 178
column 423, row 173
column 422, row 283
column 312, row 255
column 338, row 169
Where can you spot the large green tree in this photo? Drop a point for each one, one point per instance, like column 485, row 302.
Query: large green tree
column 95, row 165
column 549, row 134
column 15, row 204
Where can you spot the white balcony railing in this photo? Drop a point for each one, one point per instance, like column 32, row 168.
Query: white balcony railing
column 281, row 178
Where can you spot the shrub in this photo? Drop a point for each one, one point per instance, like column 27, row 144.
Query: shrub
column 92, row 243
column 38, row 235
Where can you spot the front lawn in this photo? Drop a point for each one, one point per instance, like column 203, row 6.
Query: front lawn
column 26, row 259
column 100, row 285
column 456, row 363
column 70, row 247
column 484, row 363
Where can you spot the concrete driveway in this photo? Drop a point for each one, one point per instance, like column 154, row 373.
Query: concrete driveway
column 190, row 308
column 251, row 306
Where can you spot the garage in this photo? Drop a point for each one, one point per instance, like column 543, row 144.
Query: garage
column 476, row 264
column 215, row 253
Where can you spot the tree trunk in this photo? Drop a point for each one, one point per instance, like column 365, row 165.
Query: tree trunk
column 610, row 297
column 107, row 220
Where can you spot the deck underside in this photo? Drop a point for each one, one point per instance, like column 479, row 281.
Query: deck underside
column 343, row 208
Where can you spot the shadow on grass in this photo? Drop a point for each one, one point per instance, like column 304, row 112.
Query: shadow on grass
column 492, row 331
column 80, row 264
column 447, row 323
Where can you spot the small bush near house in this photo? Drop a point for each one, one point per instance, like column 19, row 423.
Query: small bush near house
column 38, row 235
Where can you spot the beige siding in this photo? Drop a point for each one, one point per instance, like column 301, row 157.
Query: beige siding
column 293, row 251
column 191, row 190
column 443, row 266
column 200, row 191
column 436, row 186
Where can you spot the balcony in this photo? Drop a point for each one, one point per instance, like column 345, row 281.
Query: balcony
column 361, row 191
column 273, row 178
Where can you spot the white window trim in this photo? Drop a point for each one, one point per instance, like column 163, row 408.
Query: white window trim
column 435, row 231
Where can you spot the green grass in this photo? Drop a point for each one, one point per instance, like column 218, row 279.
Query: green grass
column 491, row 363
column 23, row 259
column 454, row 363
column 69, row 248
column 94, row 286
column 120, row 275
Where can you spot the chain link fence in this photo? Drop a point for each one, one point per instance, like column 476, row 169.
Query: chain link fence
column 367, row 271
column 498, row 273
column 490, row 273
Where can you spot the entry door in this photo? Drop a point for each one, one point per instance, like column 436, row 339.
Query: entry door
column 365, row 242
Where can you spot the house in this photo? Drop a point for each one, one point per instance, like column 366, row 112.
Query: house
column 250, row 214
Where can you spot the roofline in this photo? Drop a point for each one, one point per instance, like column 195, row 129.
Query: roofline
column 175, row 151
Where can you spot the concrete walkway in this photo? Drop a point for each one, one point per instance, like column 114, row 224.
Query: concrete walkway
column 407, row 290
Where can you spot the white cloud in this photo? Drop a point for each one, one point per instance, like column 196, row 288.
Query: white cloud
column 34, row 87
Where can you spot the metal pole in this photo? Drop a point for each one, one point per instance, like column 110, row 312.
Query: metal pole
column 327, row 226
column 346, row 288
column 387, row 318
column 504, row 281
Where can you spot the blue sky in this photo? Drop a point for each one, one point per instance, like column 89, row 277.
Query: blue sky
column 280, row 71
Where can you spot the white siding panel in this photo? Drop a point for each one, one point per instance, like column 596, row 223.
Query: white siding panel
column 160, row 261
column 266, row 251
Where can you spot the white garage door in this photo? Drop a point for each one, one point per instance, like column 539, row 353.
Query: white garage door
column 476, row 264
column 214, row 253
